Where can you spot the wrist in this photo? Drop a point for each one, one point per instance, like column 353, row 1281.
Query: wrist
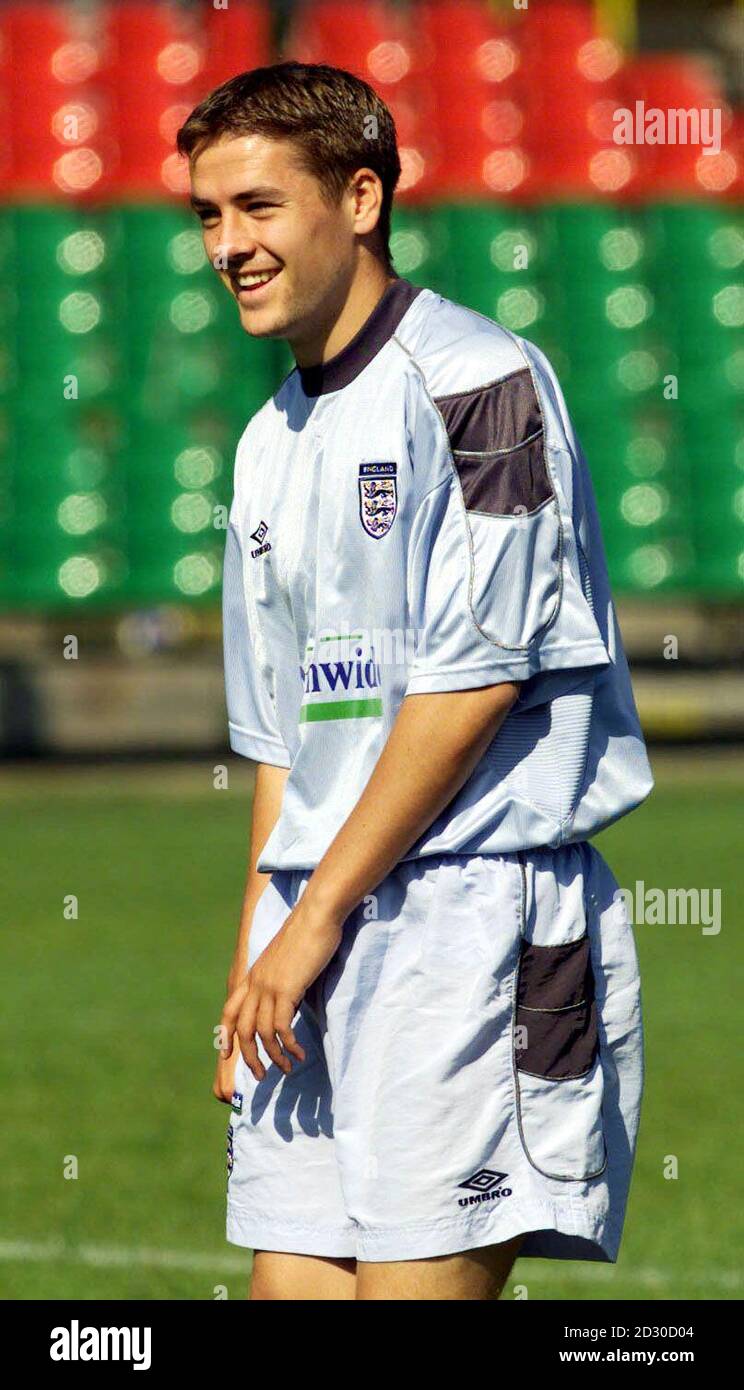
column 236, row 974
column 324, row 901
column 239, row 964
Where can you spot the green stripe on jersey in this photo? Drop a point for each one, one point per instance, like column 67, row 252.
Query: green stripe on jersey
column 340, row 709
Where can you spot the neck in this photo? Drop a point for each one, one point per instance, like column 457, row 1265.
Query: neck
column 344, row 316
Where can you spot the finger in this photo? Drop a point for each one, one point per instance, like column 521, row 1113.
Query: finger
column 283, row 1015
column 230, row 1015
column 266, row 1030
column 252, row 1060
column 246, row 1033
column 222, row 1086
column 227, row 1036
column 235, row 1001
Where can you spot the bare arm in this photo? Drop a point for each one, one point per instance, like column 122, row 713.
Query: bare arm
column 267, row 801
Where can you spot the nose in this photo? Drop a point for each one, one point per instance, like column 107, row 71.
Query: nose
column 234, row 243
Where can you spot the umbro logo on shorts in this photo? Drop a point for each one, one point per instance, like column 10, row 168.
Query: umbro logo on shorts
column 486, row 1187
column 259, row 535
column 230, row 1156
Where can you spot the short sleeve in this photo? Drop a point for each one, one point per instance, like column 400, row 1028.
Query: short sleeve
column 253, row 728
column 495, row 573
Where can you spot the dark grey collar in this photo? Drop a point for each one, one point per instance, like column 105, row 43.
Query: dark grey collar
column 340, row 370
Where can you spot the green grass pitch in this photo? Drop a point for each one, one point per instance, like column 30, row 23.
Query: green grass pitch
column 107, row 1038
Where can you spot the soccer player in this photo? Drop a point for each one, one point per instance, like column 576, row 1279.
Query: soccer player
column 433, row 1025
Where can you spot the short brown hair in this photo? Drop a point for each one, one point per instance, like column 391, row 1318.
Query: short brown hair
column 329, row 114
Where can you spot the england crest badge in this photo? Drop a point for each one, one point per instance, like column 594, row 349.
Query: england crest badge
column 378, row 497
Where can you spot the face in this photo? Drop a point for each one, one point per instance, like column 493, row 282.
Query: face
column 287, row 256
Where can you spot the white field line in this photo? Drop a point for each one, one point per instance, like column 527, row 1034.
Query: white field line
column 119, row 1257
column 587, row 1272
column 553, row 1271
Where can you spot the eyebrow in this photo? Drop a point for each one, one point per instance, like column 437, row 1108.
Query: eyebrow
column 247, row 195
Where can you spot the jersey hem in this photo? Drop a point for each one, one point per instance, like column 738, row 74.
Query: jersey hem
column 260, row 749
column 559, row 658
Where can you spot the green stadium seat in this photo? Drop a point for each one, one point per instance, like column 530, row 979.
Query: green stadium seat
column 650, row 565
column 482, row 250
column 591, row 238
column 171, row 566
column 112, row 497
column 59, row 570
column 694, row 241
column 418, row 246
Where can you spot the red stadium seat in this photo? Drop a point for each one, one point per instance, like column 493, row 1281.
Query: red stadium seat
column 157, row 76
column 370, row 40
column 238, row 38
column 467, row 60
column 673, row 82
column 61, row 134
column 554, row 27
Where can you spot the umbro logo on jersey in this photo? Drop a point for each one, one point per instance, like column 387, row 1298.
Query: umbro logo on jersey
column 259, row 536
column 378, row 497
column 486, row 1187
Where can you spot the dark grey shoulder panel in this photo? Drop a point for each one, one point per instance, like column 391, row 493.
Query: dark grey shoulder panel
column 498, row 445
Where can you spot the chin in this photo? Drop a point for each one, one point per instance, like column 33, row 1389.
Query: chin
column 260, row 330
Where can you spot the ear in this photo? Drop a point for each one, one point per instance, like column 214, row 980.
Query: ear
column 366, row 189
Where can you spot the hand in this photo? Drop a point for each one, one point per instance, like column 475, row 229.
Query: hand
column 223, row 1086
column 224, row 1077
column 266, row 1000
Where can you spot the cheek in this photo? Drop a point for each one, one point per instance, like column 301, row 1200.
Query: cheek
column 317, row 259
column 212, row 247
column 310, row 234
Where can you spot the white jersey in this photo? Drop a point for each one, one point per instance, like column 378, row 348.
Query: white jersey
column 416, row 516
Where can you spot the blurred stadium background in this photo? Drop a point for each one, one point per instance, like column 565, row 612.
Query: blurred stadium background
column 125, row 382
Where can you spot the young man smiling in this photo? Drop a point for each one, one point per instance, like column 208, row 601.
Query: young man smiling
column 433, row 1029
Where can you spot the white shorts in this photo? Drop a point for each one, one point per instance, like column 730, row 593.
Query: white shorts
column 474, row 1069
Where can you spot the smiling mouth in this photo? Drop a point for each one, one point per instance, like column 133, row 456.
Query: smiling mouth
column 252, row 281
